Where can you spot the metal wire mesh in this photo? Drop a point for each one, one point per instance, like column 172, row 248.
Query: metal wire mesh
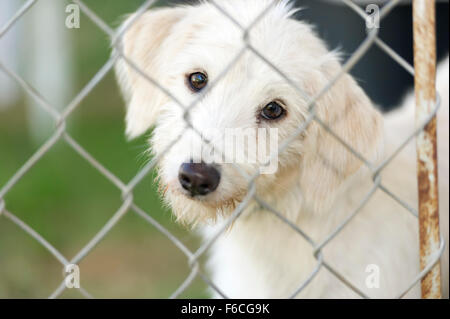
column 128, row 204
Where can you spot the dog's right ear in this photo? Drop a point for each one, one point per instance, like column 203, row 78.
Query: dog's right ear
column 146, row 43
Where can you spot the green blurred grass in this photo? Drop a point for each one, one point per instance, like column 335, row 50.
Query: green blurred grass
column 67, row 201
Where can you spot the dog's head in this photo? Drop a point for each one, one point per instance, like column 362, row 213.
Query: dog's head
column 197, row 57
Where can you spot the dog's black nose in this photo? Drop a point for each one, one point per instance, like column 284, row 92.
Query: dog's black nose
column 199, row 178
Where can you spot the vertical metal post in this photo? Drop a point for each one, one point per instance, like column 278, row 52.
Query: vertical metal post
column 425, row 88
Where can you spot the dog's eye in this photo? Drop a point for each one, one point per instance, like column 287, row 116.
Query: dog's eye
column 197, row 81
column 272, row 111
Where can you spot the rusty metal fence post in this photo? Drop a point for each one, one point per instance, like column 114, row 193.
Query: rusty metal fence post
column 427, row 172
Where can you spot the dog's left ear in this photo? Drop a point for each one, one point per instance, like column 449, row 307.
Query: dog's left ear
column 150, row 42
column 349, row 113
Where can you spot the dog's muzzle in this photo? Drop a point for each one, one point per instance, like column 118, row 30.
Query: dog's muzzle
column 199, row 178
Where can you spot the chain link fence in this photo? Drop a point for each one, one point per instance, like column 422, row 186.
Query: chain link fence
column 126, row 188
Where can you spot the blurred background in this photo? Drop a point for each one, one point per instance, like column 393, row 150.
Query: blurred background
column 67, row 201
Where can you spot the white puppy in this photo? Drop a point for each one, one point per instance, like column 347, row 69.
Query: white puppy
column 318, row 183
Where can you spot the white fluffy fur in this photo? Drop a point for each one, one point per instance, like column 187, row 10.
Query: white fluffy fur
column 318, row 183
